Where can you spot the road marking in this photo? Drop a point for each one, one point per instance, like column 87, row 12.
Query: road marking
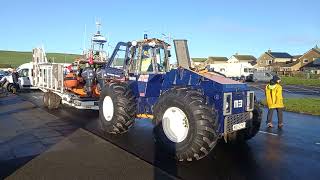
column 307, row 90
column 273, row 134
column 318, row 143
column 257, row 87
column 260, row 88
column 35, row 97
column 286, row 90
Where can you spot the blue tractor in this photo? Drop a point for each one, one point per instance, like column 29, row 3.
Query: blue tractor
column 191, row 109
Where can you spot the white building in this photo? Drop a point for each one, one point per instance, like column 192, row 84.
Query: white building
column 242, row 59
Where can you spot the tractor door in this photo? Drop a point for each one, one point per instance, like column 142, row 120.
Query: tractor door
column 152, row 65
column 115, row 67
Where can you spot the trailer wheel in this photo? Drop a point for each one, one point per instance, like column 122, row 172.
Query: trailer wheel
column 53, row 100
column 185, row 125
column 9, row 87
column 253, row 126
column 46, row 99
column 117, row 108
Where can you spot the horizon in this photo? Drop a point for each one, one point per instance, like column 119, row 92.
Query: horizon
column 67, row 53
column 219, row 29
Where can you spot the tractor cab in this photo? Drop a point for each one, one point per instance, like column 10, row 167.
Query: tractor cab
column 148, row 56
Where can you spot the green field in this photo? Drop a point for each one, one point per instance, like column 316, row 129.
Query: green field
column 300, row 81
column 15, row 58
column 302, row 105
column 199, row 59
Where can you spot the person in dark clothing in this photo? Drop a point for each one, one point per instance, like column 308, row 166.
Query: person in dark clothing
column 15, row 79
column 274, row 100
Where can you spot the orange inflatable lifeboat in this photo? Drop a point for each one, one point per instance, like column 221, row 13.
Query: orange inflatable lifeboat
column 71, row 81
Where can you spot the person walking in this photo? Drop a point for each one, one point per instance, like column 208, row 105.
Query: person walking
column 15, row 79
column 274, row 100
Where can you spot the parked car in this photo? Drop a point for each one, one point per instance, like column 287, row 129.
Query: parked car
column 249, row 78
column 262, row 76
column 3, row 73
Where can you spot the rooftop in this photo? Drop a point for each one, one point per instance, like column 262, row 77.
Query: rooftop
column 316, row 49
column 245, row 57
column 279, row 54
column 289, row 64
column 296, row 56
column 212, row 58
column 315, row 63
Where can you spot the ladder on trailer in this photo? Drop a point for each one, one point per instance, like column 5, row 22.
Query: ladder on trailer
column 47, row 76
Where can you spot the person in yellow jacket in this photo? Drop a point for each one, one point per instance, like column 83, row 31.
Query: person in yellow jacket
column 146, row 64
column 274, row 100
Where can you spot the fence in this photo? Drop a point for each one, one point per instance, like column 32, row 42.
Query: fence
column 302, row 75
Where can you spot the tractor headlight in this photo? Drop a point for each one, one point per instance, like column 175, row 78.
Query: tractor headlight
column 227, row 102
column 227, row 105
column 152, row 44
column 250, row 101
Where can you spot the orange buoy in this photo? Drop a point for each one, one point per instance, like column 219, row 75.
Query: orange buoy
column 71, row 81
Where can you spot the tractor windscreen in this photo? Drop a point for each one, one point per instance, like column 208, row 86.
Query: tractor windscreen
column 153, row 59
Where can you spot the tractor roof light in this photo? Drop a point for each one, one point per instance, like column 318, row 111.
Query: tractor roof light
column 134, row 43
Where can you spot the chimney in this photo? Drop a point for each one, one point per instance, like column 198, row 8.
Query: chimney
column 237, row 53
column 269, row 50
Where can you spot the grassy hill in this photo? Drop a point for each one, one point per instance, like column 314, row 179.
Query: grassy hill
column 15, row 58
column 199, row 59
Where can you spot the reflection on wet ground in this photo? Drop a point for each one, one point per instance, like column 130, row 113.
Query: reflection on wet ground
column 291, row 153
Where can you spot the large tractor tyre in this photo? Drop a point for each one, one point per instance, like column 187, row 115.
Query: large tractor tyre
column 117, row 108
column 53, row 100
column 185, row 125
column 253, row 126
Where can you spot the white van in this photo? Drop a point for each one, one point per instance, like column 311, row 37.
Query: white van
column 232, row 70
column 25, row 76
column 25, row 72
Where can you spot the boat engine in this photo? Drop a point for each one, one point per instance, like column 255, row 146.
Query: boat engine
column 88, row 75
column 101, row 77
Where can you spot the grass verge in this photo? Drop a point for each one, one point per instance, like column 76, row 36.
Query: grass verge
column 300, row 81
column 302, row 105
column 16, row 58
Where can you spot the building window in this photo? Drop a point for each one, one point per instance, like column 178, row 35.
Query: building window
column 269, row 62
column 305, row 61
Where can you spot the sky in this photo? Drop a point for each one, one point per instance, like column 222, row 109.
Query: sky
column 212, row 28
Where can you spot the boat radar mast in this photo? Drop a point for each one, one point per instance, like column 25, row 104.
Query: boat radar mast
column 98, row 39
column 96, row 53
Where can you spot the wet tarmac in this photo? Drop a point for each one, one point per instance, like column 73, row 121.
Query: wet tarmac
column 291, row 153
